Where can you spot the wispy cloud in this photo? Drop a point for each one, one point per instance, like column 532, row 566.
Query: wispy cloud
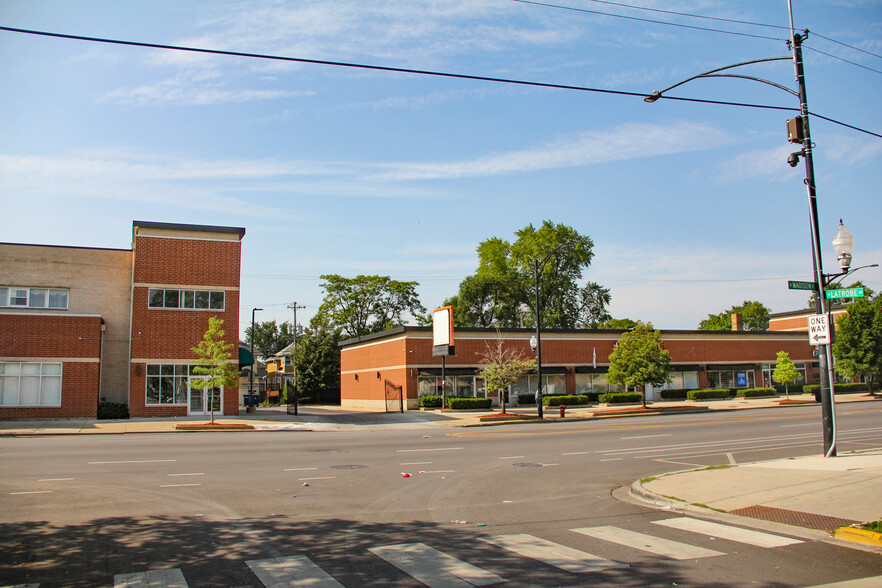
column 190, row 90
column 766, row 164
column 624, row 142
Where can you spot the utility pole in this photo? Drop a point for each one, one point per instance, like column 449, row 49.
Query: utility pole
column 293, row 306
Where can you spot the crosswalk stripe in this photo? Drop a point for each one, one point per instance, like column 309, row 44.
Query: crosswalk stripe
column 873, row 582
column 727, row 532
column 295, row 570
column 555, row 554
column 656, row 545
column 434, row 568
column 172, row 578
column 23, row 586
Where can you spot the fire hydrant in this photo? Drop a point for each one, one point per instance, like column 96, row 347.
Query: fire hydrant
column 563, row 410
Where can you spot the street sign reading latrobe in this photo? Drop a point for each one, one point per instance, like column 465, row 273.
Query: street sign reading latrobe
column 844, row 293
column 819, row 330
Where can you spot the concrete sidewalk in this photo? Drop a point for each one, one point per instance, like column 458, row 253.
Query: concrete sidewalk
column 810, row 491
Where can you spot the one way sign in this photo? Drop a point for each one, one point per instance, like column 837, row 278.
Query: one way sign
column 819, row 330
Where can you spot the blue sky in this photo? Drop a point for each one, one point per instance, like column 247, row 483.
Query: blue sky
column 692, row 207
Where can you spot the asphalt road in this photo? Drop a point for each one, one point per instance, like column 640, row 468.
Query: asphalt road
column 82, row 510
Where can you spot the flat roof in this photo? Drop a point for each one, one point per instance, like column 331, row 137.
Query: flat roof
column 185, row 227
column 65, row 246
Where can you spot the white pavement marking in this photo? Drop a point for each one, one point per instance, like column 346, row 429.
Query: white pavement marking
column 611, row 459
column 643, row 542
column 23, row 586
column 416, row 463
column 575, row 453
column 439, row 471
column 512, row 457
column 298, row 469
column 726, row 532
column 172, row 578
column 559, row 556
column 731, row 458
column 193, row 474
column 56, row 479
column 432, row 449
column 296, row 570
column 434, row 568
column 133, row 461
column 873, row 582
column 320, row 478
column 177, row 485
column 647, row 436
column 31, row 492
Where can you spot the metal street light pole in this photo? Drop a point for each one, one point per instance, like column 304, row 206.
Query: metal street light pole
column 254, row 365
column 293, row 306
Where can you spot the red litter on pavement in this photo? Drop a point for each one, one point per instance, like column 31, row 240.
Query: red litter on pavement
column 405, row 475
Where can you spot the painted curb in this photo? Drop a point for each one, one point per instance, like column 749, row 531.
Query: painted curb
column 859, row 536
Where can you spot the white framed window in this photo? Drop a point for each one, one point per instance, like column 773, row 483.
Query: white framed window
column 30, row 384
column 26, row 297
column 185, row 299
column 167, row 384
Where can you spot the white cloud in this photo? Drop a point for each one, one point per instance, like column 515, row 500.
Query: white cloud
column 766, row 164
column 852, row 149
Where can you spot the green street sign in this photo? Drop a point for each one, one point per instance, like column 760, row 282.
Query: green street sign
column 845, row 293
column 793, row 285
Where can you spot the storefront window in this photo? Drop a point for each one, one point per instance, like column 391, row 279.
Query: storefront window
column 730, row 379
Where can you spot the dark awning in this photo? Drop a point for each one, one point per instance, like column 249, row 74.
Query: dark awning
column 449, row 372
column 731, row 367
column 245, row 357
column 587, row 369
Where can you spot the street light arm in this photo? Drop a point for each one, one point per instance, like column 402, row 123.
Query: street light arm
column 830, row 279
column 710, row 74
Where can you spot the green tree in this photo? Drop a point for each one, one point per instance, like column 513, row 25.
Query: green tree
column 785, row 372
column 622, row 323
column 317, row 358
column 813, row 299
column 639, row 359
column 754, row 316
column 213, row 361
column 502, row 290
column 368, row 304
column 501, row 367
column 858, row 346
column 269, row 337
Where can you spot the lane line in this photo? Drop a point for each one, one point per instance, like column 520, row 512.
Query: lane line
column 554, row 554
column 432, row 449
column 298, row 469
column 56, row 479
column 440, row 471
column 727, row 532
column 416, row 463
column 172, row 578
column 193, row 474
column 612, row 459
column 31, row 492
column 545, row 465
column 434, row 568
column 649, row 543
column 575, row 453
column 295, row 570
column 133, row 461
column 647, row 436
column 177, row 485
column 512, row 457
column 320, row 478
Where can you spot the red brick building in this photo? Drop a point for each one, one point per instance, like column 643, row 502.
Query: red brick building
column 375, row 369
column 79, row 325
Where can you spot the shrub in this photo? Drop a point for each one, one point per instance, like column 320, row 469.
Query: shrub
column 526, row 399
column 792, row 388
column 572, row 399
column 705, row 394
column 621, row 397
column 456, row 402
column 113, row 410
column 674, row 394
column 751, row 392
column 841, row 388
column 430, row 401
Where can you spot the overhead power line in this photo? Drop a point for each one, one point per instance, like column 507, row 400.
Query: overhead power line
column 408, row 71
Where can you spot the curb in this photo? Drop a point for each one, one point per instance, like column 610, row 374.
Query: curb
column 859, row 536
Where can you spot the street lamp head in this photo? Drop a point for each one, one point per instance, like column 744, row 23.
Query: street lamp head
column 653, row 97
column 843, row 245
column 534, row 344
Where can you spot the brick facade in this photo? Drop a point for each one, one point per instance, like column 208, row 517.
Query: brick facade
column 371, row 364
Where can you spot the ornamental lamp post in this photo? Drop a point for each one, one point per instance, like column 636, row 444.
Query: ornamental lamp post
column 843, row 245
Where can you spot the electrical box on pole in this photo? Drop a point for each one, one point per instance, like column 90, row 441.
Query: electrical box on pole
column 795, row 132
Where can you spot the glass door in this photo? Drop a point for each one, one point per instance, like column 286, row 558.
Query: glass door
column 203, row 400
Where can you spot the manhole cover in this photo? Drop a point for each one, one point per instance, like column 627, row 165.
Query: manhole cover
column 527, row 465
column 329, row 451
column 348, row 467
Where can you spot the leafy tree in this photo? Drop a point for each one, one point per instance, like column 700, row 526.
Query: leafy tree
column 622, row 323
column 639, row 359
column 317, row 357
column 269, row 337
column 368, row 304
column 754, row 315
column 858, row 346
column 502, row 366
column 213, row 361
column 785, row 372
column 502, row 290
column 868, row 293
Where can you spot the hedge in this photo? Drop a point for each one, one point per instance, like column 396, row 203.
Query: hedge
column 113, row 410
column 790, row 388
column 430, row 401
column 842, row 388
column 750, row 392
column 526, row 399
column 674, row 394
column 621, row 397
column 568, row 400
column 705, row 394
column 469, row 402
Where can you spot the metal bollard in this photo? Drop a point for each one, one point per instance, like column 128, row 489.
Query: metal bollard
column 563, row 410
